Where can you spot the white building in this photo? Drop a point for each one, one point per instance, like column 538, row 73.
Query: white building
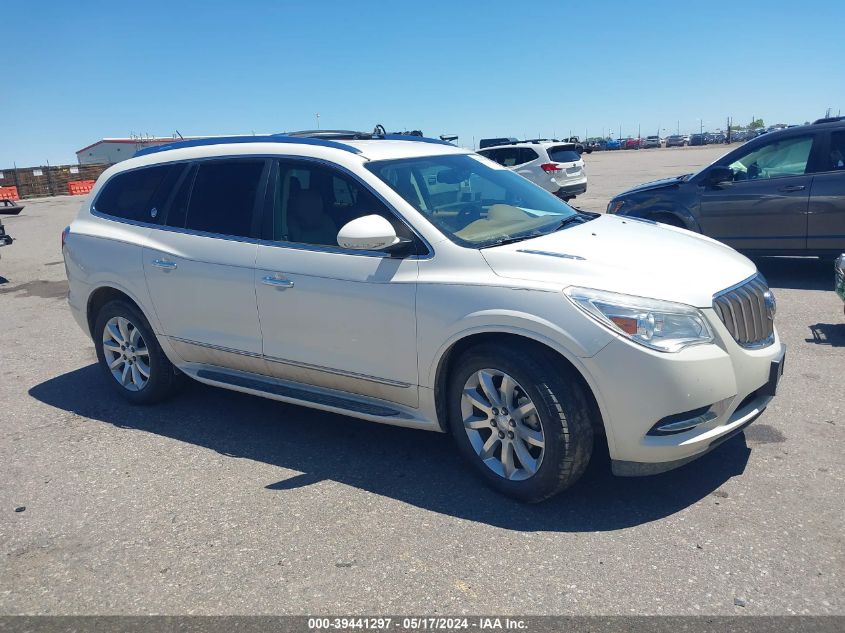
column 114, row 150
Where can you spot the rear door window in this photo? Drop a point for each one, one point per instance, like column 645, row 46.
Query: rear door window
column 563, row 155
column 223, row 197
column 138, row 195
column 835, row 159
column 526, row 155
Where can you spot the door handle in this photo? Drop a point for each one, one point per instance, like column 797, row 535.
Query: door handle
column 276, row 282
column 791, row 188
column 164, row 264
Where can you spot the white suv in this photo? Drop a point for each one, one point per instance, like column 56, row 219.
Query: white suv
column 410, row 282
column 555, row 166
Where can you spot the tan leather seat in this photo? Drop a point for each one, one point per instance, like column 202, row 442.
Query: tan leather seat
column 308, row 221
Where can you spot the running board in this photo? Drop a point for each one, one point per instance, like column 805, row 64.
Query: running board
column 311, row 397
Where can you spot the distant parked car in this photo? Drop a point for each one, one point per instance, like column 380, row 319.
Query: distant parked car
column 613, row 143
column 492, row 142
column 650, row 141
column 780, row 194
column 676, row 140
column 10, row 207
column 698, row 139
column 839, row 272
column 557, row 167
column 633, row 143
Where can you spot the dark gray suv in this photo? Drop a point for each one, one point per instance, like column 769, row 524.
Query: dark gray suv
column 780, row 194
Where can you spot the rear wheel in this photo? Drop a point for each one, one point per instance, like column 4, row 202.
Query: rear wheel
column 522, row 422
column 130, row 355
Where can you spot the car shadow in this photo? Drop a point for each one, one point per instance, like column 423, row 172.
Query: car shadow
column 797, row 273
column 827, row 334
column 417, row 467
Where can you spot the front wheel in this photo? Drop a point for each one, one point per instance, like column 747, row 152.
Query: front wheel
column 522, row 421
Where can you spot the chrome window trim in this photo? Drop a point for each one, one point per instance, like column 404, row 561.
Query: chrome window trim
column 252, row 240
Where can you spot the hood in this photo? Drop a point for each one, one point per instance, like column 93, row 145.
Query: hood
column 656, row 184
column 628, row 256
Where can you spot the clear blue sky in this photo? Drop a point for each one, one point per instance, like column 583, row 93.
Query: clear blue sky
column 79, row 71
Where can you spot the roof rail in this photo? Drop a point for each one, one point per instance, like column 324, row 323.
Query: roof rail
column 830, row 119
column 226, row 140
column 351, row 135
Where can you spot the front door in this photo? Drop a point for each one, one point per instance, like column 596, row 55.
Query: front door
column 765, row 207
column 200, row 266
column 331, row 317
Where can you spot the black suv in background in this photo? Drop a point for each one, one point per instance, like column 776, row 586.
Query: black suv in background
column 779, row 194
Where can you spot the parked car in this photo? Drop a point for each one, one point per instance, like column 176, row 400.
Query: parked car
column 10, row 207
column 412, row 283
column 492, row 142
column 698, row 139
column 633, row 143
column 839, row 276
column 613, row 143
column 556, row 167
column 780, row 194
column 676, row 140
column 650, row 142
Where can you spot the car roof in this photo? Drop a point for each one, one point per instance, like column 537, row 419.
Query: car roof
column 379, row 148
column 543, row 144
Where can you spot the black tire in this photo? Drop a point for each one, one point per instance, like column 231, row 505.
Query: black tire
column 564, row 414
column 164, row 379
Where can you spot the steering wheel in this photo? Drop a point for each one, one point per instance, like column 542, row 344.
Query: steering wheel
column 469, row 213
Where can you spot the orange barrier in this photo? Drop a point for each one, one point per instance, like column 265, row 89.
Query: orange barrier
column 80, row 187
column 9, row 193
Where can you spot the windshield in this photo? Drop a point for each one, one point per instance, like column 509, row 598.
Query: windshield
column 474, row 201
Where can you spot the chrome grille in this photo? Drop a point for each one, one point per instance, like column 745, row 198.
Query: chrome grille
column 748, row 311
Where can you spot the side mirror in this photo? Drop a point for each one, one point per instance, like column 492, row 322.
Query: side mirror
column 719, row 175
column 368, row 233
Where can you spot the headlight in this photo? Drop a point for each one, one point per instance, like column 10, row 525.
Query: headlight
column 660, row 325
column 614, row 205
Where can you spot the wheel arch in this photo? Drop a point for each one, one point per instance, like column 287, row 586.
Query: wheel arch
column 103, row 295
column 537, row 344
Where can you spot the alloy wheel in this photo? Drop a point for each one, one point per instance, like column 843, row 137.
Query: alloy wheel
column 126, row 353
column 502, row 424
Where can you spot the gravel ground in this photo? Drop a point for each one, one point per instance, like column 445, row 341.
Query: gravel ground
column 222, row 503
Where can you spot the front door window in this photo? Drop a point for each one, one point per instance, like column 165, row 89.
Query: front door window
column 780, row 159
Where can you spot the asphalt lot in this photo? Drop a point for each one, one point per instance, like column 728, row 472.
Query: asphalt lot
column 222, row 503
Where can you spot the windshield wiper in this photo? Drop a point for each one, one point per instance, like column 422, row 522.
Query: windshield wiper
column 578, row 218
column 513, row 238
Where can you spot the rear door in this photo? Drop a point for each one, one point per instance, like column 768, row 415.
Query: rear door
column 765, row 208
column 826, row 215
column 200, row 266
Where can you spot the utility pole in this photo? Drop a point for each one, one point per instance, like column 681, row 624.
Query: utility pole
column 679, row 127
column 318, row 120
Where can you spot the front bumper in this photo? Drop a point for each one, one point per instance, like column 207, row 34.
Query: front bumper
column 725, row 385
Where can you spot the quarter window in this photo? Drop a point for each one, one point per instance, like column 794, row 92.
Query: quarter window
column 787, row 157
column 223, row 197
column 139, row 194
